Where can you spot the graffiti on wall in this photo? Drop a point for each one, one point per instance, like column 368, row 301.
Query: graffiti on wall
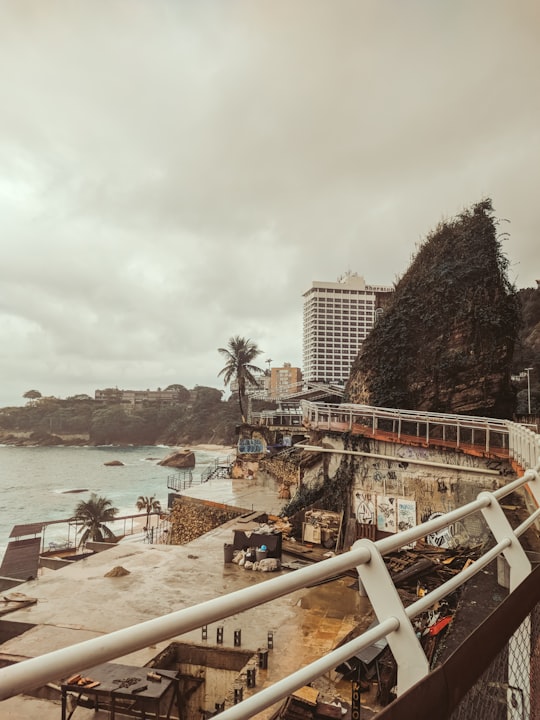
column 250, row 445
column 365, row 508
column 441, row 538
column 406, row 513
column 386, row 513
column 390, row 513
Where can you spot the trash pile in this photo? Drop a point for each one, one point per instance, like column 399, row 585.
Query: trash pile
column 277, row 524
column 258, row 549
column 256, row 560
column 415, row 573
column 322, row 527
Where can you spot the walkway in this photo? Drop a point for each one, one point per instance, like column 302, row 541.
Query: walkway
column 482, row 437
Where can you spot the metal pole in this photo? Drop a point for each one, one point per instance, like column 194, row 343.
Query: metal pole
column 528, row 371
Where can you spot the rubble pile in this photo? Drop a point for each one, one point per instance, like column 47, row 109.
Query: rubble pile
column 248, row 560
column 415, row 573
column 259, row 548
column 322, row 526
column 278, row 524
column 117, row 571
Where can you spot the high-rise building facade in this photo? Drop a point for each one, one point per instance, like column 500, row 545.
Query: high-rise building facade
column 337, row 318
column 285, row 380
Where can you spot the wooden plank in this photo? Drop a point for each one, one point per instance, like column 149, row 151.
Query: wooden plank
column 249, row 518
column 307, row 694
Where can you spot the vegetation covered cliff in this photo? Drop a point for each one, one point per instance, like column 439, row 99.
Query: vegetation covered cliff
column 200, row 417
column 446, row 341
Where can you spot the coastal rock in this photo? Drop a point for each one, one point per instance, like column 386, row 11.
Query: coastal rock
column 445, row 342
column 179, row 459
column 114, row 463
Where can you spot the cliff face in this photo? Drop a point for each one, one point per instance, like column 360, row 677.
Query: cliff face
column 445, row 343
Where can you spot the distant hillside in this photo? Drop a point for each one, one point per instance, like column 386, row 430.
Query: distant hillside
column 202, row 417
column 446, row 341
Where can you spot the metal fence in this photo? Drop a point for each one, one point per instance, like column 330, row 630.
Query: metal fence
column 180, row 481
column 183, row 479
column 500, row 693
column 220, row 468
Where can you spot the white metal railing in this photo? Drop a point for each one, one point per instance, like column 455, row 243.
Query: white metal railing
column 521, row 442
column 280, row 418
column 366, row 556
column 298, row 389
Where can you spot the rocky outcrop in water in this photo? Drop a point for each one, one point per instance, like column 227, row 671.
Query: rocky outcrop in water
column 179, row 459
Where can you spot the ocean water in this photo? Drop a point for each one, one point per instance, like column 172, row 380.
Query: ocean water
column 38, row 483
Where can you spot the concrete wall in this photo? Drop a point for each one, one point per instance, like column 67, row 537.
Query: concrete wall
column 395, row 492
column 219, row 669
column 214, row 689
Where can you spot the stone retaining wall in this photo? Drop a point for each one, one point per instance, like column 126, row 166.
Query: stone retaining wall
column 190, row 518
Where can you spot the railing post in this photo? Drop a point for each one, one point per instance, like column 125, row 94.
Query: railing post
column 412, row 664
column 520, row 567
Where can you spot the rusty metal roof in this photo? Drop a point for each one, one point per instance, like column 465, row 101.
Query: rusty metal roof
column 31, row 529
column 21, row 559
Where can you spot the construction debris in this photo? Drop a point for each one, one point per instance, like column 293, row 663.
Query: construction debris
column 117, row 571
column 322, row 527
column 15, row 601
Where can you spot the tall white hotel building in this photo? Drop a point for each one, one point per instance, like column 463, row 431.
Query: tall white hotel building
column 337, row 318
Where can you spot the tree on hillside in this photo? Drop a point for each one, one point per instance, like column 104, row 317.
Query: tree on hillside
column 94, row 513
column 150, row 504
column 32, row 395
column 240, row 354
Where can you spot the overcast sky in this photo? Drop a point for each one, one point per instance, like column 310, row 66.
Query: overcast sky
column 174, row 173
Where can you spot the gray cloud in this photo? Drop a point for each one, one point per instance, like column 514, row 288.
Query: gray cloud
column 172, row 173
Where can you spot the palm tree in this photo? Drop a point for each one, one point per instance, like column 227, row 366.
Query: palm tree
column 150, row 504
column 240, row 354
column 94, row 513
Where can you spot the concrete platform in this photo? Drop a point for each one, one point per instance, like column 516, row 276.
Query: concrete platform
column 78, row 602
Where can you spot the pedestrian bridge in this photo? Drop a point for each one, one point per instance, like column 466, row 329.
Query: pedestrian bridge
column 494, row 674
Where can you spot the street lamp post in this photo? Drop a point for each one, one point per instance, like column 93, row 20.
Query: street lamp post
column 528, row 371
